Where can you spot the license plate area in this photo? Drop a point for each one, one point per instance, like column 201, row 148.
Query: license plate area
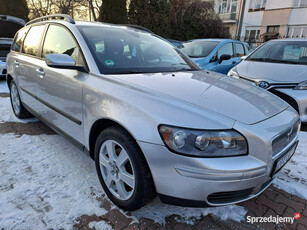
column 283, row 159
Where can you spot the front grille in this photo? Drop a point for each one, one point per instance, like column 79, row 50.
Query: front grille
column 229, row 197
column 286, row 98
column 282, row 140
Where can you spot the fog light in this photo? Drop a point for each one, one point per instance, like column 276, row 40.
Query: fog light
column 179, row 139
column 228, row 141
column 202, row 142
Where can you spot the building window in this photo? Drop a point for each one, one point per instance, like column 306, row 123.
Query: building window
column 251, row 35
column 256, row 5
column 297, row 32
column 273, row 29
column 227, row 6
column 300, row 3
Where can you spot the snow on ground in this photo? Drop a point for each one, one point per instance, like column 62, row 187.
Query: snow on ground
column 45, row 182
column 3, row 87
column 6, row 112
column 293, row 177
column 7, row 115
column 158, row 211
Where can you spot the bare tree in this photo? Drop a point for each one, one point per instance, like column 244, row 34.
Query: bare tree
column 74, row 8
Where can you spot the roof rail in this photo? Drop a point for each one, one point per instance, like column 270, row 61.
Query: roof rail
column 64, row 17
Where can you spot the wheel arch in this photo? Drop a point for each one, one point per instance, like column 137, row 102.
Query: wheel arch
column 100, row 125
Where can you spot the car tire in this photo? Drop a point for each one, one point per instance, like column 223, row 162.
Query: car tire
column 19, row 110
column 123, row 170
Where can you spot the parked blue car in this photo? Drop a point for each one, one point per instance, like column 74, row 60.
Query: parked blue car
column 219, row 55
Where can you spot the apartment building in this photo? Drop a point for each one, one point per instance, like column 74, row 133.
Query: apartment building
column 230, row 12
column 258, row 21
column 270, row 19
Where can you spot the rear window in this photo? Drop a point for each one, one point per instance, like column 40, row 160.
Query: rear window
column 20, row 36
column 32, row 39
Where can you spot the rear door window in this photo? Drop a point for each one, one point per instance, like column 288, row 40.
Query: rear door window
column 31, row 43
column 239, row 50
column 17, row 44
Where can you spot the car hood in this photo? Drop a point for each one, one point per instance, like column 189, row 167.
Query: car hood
column 211, row 91
column 272, row 72
column 9, row 25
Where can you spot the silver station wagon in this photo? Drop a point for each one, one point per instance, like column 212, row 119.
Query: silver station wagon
column 152, row 120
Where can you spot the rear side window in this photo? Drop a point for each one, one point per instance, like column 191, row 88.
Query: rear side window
column 239, row 50
column 31, row 43
column 19, row 39
column 60, row 41
column 246, row 49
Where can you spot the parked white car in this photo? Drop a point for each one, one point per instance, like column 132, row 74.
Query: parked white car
column 9, row 25
column 279, row 66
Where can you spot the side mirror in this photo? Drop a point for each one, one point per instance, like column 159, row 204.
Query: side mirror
column 62, row 61
column 243, row 58
column 224, row 57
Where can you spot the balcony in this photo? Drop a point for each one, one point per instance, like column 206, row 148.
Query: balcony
column 228, row 18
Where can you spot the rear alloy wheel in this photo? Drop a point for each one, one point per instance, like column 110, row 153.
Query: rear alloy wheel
column 17, row 106
column 122, row 169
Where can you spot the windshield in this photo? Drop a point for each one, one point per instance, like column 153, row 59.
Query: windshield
column 288, row 52
column 198, row 49
column 124, row 51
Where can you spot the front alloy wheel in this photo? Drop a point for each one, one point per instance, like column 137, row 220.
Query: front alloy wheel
column 117, row 170
column 122, row 169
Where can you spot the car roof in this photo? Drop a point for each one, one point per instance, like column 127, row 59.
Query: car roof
column 215, row 39
column 290, row 39
column 87, row 23
column 119, row 26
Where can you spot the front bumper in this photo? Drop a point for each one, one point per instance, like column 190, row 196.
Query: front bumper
column 192, row 181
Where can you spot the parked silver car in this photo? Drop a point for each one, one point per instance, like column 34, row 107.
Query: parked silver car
column 153, row 121
column 279, row 66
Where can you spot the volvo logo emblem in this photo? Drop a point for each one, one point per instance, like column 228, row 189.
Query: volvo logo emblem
column 263, row 84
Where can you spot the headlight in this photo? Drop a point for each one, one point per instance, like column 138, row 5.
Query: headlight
column 233, row 73
column 301, row 86
column 203, row 143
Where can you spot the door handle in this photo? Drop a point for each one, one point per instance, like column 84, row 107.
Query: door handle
column 40, row 72
column 16, row 63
